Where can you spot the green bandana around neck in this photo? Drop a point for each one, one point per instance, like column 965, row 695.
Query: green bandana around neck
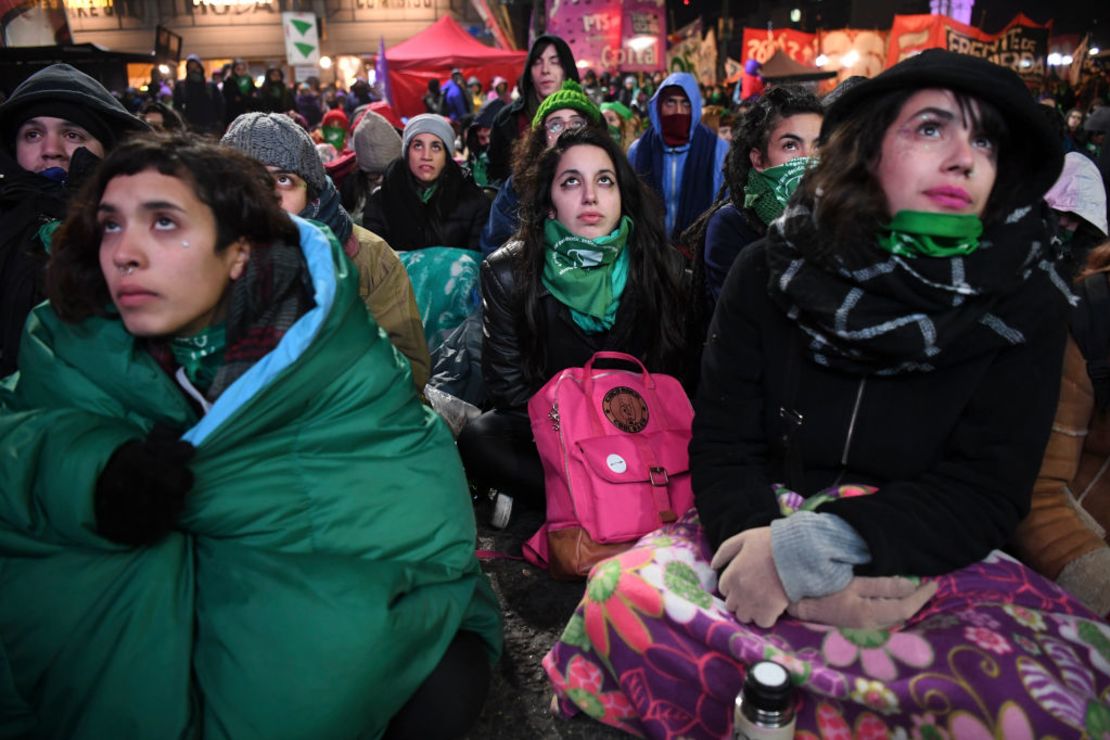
column 919, row 234
column 201, row 354
column 587, row 275
column 768, row 192
column 244, row 83
column 614, row 133
column 427, row 193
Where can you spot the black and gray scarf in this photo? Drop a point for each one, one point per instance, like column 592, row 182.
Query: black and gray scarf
column 328, row 210
column 274, row 291
column 873, row 312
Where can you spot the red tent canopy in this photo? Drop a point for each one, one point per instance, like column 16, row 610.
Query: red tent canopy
column 434, row 52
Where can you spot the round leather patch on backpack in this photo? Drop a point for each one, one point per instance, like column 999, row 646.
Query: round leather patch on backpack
column 626, row 409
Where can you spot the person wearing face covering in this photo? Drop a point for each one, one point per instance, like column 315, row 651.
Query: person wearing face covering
column 680, row 158
column 550, row 62
column 55, row 127
column 768, row 156
column 287, row 151
column 198, row 100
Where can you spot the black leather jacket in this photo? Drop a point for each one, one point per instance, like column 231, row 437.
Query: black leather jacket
column 566, row 344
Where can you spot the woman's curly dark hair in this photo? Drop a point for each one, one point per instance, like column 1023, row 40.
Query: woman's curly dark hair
column 238, row 189
column 654, row 291
column 752, row 132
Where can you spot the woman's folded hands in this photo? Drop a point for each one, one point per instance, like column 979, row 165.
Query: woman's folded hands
column 753, row 591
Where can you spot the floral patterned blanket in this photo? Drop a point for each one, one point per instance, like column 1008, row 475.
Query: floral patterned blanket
column 999, row 652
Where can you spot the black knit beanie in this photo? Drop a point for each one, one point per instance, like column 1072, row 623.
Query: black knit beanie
column 83, row 116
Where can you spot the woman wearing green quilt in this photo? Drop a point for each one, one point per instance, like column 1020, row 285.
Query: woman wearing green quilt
column 223, row 511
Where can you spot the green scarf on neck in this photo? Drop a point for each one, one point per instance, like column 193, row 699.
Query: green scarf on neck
column 768, row 192
column 201, row 354
column 427, row 193
column 587, row 275
column 916, row 233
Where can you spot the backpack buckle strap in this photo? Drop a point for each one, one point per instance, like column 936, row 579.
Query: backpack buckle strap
column 659, row 482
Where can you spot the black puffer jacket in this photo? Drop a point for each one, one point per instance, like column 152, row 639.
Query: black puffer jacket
column 567, row 345
column 452, row 217
column 29, row 201
column 517, row 116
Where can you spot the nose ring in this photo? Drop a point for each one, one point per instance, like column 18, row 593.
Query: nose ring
column 126, row 270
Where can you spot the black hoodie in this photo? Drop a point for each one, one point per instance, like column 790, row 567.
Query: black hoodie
column 28, row 200
column 507, row 126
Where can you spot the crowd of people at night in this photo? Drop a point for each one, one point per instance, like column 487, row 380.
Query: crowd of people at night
column 238, row 312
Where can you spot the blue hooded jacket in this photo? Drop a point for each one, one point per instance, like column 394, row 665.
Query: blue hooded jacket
column 684, row 199
column 454, row 99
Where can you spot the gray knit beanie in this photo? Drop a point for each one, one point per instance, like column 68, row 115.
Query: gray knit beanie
column 430, row 123
column 376, row 143
column 275, row 140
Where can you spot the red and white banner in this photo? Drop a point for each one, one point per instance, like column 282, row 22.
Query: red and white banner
column 761, row 44
column 1022, row 45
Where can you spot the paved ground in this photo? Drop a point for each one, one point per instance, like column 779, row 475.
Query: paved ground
column 536, row 609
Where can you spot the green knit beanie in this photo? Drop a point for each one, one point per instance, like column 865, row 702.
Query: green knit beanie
column 570, row 95
column 620, row 108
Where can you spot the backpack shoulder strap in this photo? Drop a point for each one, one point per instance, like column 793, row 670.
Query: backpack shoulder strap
column 1090, row 326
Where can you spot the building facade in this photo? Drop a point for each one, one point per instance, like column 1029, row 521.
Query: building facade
column 252, row 29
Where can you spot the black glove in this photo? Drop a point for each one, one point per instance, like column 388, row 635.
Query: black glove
column 141, row 492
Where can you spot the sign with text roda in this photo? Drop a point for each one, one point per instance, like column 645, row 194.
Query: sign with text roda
column 302, row 40
column 610, row 34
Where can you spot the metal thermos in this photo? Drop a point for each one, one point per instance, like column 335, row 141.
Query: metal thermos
column 765, row 704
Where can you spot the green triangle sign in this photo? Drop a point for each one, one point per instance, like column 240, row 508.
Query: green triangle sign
column 302, row 26
column 305, row 49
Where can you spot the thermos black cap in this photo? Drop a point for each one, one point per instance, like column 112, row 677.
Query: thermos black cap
column 768, row 688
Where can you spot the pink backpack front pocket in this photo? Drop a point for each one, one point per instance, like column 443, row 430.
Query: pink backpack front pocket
column 631, row 484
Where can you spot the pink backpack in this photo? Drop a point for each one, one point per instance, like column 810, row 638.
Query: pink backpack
column 613, row 445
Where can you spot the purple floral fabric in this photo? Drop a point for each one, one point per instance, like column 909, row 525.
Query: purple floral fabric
column 999, row 652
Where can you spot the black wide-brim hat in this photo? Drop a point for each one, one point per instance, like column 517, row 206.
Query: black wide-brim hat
column 1036, row 146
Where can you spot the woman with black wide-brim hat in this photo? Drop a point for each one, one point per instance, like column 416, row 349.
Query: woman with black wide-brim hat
column 877, row 387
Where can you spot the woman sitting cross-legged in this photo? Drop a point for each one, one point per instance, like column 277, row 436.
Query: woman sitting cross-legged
column 223, row 510
column 590, row 271
column 877, row 387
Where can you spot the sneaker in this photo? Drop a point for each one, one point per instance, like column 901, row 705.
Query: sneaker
column 502, row 510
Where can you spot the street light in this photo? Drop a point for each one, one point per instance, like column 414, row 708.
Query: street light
column 795, row 15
